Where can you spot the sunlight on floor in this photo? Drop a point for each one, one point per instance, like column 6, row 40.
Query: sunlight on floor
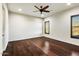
column 75, row 54
column 46, row 47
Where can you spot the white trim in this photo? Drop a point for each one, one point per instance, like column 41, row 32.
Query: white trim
column 60, row 40
column 25, row 38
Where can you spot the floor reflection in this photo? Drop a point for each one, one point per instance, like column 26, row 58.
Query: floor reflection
column 75, row 54
column 46, row 47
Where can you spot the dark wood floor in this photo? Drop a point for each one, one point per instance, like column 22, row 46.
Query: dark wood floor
column 40, row 46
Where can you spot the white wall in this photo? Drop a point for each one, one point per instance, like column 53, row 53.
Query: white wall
column 60, row 26
column 23, row 26
column 0, row 29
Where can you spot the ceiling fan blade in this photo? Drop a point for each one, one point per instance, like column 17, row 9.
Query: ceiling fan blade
column 36, row 7
column 46, row 11
column 46, row 7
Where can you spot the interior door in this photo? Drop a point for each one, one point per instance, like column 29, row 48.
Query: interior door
column 3, row 29
column 1, row 23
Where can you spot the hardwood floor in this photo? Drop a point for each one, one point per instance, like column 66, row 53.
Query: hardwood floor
column 40, row 46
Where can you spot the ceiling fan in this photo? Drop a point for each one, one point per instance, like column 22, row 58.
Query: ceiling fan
column 42, row 9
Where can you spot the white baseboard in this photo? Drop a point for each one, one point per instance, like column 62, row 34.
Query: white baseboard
column 66, row 41
column 25, row 38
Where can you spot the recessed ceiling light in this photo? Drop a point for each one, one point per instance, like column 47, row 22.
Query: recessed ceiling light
column 20, row 9
column 68, row 4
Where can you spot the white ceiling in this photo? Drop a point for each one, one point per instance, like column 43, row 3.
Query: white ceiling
column 28, row 8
